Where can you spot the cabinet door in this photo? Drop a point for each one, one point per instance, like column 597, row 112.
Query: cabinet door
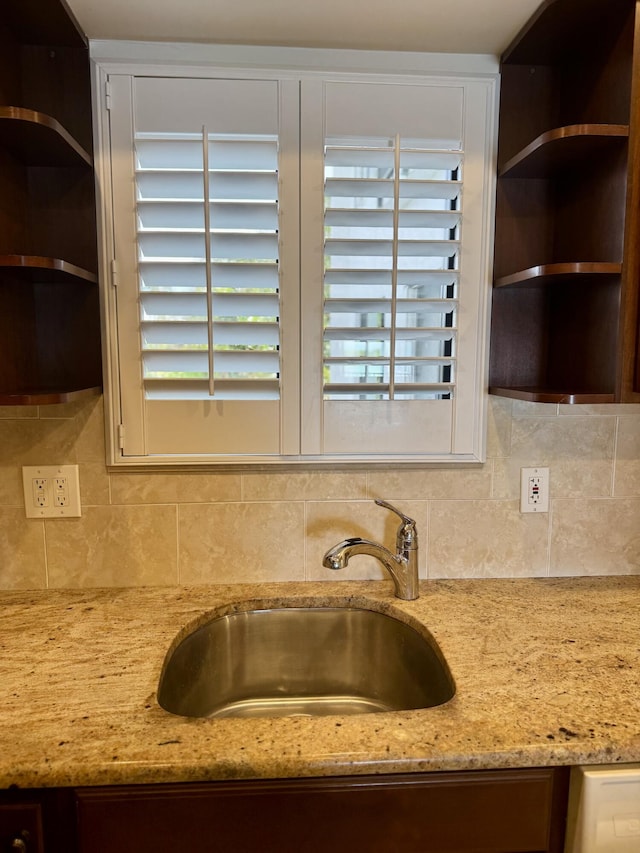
column 21, row 828
column 492, row 812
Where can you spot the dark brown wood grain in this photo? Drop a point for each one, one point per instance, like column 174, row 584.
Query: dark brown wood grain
column 489, row 811
column 566, row 265
column 49, row 313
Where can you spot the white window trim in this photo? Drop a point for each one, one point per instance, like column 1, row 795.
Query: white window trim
column 179, row 60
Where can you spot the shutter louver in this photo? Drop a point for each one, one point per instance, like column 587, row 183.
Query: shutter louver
column 392, row 223
column 243, row 258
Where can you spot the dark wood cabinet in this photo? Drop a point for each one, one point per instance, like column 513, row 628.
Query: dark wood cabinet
column 37, row 821
column 565, row 307
column 482, row 811
column 490, row 811
column 49, row 307
column 21, row 828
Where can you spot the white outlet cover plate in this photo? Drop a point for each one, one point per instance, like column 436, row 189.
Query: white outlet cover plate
column 49, row 473
column 541, row 501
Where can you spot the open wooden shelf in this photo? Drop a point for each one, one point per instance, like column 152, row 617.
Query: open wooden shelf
column 549, row 274
column 46, row 396
column 547, row 395
column 563, row 147
column 37, row 268
column 38, row 139
column 50, row 349
column 564, row 315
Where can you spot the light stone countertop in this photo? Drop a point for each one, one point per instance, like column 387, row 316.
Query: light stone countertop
column 547, row 673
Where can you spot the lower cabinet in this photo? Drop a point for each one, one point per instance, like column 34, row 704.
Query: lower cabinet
column 484, row 811
column 21, row 827
column 37, row 821
column 508, row 811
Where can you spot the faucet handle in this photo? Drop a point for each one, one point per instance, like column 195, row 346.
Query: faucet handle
column 407, row 536
column 405, row 518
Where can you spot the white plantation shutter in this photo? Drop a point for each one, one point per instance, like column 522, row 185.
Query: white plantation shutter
column 301, row 267
column 404, row 172
column 202, row 351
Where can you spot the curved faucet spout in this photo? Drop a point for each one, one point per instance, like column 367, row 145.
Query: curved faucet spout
column 402, row 566
column 339, row 556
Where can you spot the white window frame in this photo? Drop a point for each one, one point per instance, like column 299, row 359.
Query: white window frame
column 479, row 74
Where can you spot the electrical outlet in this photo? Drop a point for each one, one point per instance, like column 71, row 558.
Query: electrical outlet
column 51, row 491
column 534, row 490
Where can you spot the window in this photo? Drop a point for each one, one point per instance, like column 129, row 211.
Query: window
column 300, row 265
column 392, row 220
column 208, row 330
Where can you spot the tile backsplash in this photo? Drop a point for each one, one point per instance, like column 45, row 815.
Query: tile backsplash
column 192, row 528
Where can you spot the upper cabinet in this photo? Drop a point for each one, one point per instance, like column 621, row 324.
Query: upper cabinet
column 49, row 307
column 565, row 310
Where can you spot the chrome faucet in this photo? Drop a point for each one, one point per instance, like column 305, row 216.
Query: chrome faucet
column 402, row 566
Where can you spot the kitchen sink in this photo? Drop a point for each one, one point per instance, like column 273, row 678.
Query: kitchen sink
column 309, row 661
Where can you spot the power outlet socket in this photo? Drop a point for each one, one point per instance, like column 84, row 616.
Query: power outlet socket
column 51, row 491
column 534, row 490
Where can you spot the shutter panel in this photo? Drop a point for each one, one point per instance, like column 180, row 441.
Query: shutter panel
column 201, row 287
column 394, row 168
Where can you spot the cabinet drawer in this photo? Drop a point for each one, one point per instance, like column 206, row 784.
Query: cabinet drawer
column 483, row 812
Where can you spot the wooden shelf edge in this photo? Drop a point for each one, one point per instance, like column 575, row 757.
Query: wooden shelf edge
column 56, row 266
column 41, row 122
column 541, row 395
column 35, row 397
column 548, row 273
column 557, row 136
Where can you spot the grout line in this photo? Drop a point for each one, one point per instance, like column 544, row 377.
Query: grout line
column 549, row 537
column 428, row 540
column 304, row 541
column 46, row 555
column 492, row 480
column 614, row 464
column 178, row 578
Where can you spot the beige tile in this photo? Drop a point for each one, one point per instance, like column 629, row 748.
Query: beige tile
column 304, row 485
column 331, row 522
column 599, row 409
column 499, row 416
column 22, row 554
column 596, row 537
column 157, row 488
column 11, row 491
column 89, row 427
column 35, row 442
column 522, row 409
column 506, row 479
column 439, row 483
column 94, row 484
column 241, row 542
column 578, row 452
column 18, row 412
column 113, row 546
column 485, row 539
column 66, row 411
column 627, row 470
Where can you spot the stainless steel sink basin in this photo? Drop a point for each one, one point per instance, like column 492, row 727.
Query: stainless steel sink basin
column 303, row 661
